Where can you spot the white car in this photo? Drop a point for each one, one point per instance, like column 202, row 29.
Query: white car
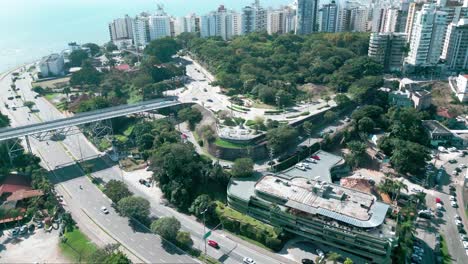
column 247, row 260
column 320, row 253
column 457, row 217
column 104, row 210
column 458, row 223
column 300, row 167
column 465, row 244
column 453, row 204
column 452, row 198
column 310, row 160
column 463, row 237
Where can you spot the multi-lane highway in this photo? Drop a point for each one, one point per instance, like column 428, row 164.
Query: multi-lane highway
column 90, row 199
column 146, row 246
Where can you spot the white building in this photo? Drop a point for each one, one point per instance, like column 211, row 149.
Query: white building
column 388, row 49
column 307, row 17
column 455, row 50
column 253, row 18
column 159, row 25
column 223, row 23
column 140, row 29
column 52, row 65
column 280, row 21
column 427, row 37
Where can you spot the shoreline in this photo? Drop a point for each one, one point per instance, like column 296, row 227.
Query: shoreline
column 5, row 73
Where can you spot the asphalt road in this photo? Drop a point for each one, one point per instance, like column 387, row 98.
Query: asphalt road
column 90, row 199
column 148, row 247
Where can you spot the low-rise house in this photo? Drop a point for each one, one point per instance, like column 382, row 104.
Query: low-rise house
column 410, row 94
column 438, row 133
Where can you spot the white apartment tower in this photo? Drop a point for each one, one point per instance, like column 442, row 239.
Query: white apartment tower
column 253, row 18
column 427, row 36
column 159, row 25
column 388, row 49
column 456, row 46
column 280, row 21
column 140, row 30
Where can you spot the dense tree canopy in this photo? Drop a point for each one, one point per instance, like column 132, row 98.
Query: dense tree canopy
column 93, row 48
column 242, row 168
column 134, row 207
column 87, row 75
column 281, row 138
column 252, row 63
column 77, row 57
column 167, row 227
column 116, row 190
column 163, row 48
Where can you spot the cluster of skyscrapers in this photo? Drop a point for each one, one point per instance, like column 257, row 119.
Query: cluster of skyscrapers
column 404, row 32
column 408, row 35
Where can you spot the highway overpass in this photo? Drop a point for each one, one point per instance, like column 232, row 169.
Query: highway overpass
column 85, row 118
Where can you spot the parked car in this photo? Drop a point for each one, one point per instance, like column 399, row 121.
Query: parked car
column 452, row 161
column 209, row 100
column 457, row 217
column 315, row 157
column 458, row 223
column 310, row 160
column 142, row 181
column 300, row 167
column 307, row 261
column 463, row 237
column 465, row 244
column 452, row 198
column 104, row 210
column 248, row 260
column 23, row 229
column 213, row 243
column 454, row 204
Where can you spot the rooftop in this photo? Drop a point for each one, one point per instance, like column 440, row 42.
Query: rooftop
column 435, row 127
column 319, row 170
column 313, row 197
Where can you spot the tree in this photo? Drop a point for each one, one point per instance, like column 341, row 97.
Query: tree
column 163, row 48
column 116, row 190
column 203, row 206
column 348, row 261
column 366, row 125
column 191, row 115
column 94, row 49
column 110, row 47
column 330, row 115
column 334, row 257
column 77, row 57
column 409, row 157
column 184, row 240
column 208, row 133
column 166, row 227
column 242, row 168
column 117, row 258
column 29, row 104
column 341, row 99
column 178, row 171
column 133, row 207
column 283, row 98
column 281, row 138
column 357, row 153
column 87, row 75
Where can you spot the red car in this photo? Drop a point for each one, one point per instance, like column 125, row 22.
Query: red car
column 213, row 243
column 315, row 157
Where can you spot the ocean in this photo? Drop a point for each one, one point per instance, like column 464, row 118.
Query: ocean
column 31, row 29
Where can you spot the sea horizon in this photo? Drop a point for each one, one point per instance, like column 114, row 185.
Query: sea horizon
column 34, row 29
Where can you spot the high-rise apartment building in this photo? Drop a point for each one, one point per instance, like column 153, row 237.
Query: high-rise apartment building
column 329, row 17
column 307, row 16
column 412, row 9
column 222, row 22
column 121, row 28
column 388, row 49
column 427, row 36
column 456, row 50
column 280, row 21
column 253, row 18
column 159, row 25
column 140, row 30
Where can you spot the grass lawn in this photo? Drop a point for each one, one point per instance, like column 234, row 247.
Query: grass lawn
column 128, row 131
column 227, row 144
column 231, row 213
column 51, row 96
column 446, row 259
column 78, row 246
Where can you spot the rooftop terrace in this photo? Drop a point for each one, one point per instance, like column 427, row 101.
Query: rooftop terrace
column 320, row 198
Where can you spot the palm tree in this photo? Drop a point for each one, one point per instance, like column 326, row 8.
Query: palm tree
column 348, row 261
column 397, row 186
column 334, row 257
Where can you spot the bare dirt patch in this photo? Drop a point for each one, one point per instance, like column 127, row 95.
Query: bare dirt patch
column 442, row 97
